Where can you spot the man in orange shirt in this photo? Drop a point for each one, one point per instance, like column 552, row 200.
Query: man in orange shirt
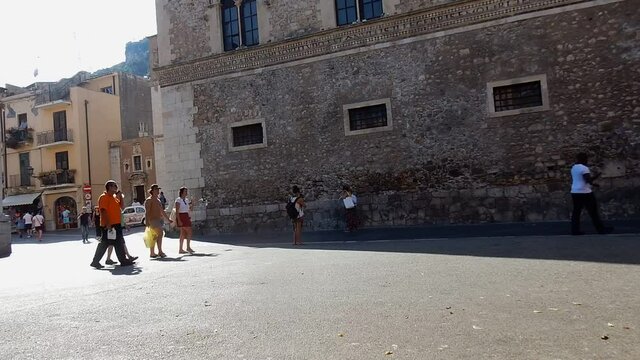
column 110, row 206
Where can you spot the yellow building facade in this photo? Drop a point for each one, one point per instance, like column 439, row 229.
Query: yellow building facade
column 57, row 151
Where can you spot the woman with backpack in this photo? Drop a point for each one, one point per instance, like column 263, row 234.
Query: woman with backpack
column 296, row 201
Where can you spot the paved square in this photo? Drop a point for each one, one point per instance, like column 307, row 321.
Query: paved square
column 481, row 298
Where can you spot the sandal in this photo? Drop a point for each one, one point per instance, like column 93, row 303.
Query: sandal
column 182, row 252
column 162, row 255
column 153, row 256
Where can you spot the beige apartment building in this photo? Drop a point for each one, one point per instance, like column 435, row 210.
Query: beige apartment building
column 58, row 143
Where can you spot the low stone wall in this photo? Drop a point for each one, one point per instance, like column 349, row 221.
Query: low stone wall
column 5, row 236
column 618, row 199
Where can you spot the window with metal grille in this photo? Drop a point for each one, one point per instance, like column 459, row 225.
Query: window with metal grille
column 370, row 9
column 346, row 12
column 368, row 117
column 247, row 135
column 517, row 96
column 249, row 15
column 230, row 25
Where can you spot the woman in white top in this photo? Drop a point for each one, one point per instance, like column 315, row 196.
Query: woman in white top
column 183, row 220
column 350, row 201
column 298, row 199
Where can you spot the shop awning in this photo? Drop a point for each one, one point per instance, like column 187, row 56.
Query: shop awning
column 22, row 199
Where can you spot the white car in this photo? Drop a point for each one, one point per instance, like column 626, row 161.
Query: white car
column 134, row 215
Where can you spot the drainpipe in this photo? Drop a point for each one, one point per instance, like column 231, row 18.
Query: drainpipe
column 86, row 121
column 4, row 150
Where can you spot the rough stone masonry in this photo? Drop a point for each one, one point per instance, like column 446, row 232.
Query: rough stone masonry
column 446, row 159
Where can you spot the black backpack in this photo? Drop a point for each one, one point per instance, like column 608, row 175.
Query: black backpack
column 291, row 209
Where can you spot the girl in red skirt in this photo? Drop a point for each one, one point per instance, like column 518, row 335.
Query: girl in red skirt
column 183, row 220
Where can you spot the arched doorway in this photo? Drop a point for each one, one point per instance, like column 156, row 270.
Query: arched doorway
column 62, row 205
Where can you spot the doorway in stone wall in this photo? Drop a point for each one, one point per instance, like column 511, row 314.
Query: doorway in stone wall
column 66, row 208
column 138, row 192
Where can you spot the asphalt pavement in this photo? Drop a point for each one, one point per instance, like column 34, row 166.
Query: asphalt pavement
column 482, row 297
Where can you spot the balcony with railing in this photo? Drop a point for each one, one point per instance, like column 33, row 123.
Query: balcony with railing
column 55, row 137
column 20, row 180
column 20, row 184
column 57, row 177
column 18, row 137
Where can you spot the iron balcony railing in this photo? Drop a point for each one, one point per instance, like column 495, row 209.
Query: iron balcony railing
column 20, row 180
column 54, row 136
column 58, row 177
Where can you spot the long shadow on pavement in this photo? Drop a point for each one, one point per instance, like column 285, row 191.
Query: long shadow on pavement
column 544, row 241
column 620, row 249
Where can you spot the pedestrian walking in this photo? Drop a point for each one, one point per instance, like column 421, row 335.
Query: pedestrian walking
column 124, row 228
column 163, row 200
column 582, row 196
column 183, row 207
column 110, row 207
column 28, row 223
column 38, row 225
column 85, row 220
column 96, row 222
column 20, row 225
column 349, row 200
column 66, row 217
column 295, row 209
column 154, row 216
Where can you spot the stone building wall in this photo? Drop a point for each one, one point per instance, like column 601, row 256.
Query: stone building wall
column 179, row 21
column 191, row 29
column 445, row 160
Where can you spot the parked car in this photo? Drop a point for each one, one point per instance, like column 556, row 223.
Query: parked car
column 134, row 215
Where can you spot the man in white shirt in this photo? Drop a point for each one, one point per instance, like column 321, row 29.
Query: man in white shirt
column 583, row 197
column 28, row 223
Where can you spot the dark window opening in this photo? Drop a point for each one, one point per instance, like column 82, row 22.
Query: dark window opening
column 62, row 160
column 25, row 176
column 22, row 121
column 60, row 126
column 107, row 90
column 230, row 25
column 368, row 117
column 247, row 135
column 346, row 12
column 370, row 9
column 517, row 96
column 249, row 15
column 137, row 163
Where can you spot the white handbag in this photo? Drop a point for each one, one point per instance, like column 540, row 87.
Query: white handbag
column 348, row 203
column 111, row 234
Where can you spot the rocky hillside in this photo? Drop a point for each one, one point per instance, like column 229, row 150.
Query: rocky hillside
column 136, row 60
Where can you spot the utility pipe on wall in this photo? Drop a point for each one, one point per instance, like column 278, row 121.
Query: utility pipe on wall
column 86, row 121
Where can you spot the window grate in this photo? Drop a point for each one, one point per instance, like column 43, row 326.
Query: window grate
column 517, row 96
column 247, row 135
column 368, row 117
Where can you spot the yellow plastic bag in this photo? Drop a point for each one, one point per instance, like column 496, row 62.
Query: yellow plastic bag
column 150, row 235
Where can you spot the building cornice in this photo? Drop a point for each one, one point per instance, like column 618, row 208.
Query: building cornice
column 386, row 30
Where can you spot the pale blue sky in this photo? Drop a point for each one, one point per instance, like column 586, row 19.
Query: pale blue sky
column 62, row 37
